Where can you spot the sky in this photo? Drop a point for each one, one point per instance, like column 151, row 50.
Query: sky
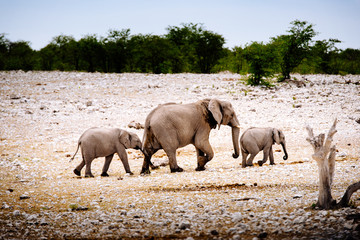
column 239, row 22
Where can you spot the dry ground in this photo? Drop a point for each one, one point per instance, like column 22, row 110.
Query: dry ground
column 42, row 115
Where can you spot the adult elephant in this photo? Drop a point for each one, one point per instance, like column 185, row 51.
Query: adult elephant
column 171, row 126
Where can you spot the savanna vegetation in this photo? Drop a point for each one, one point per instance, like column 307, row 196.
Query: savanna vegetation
column 186, row 48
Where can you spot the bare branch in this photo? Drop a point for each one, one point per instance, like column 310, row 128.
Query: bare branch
column 331, row 161
column 330, row 135
column 347, row 195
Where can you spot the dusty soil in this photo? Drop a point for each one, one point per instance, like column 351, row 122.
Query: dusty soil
column 42, row 115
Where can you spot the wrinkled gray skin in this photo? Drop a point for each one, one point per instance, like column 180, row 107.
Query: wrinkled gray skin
column 171, row 126
column 105, row 142
column 254, row 140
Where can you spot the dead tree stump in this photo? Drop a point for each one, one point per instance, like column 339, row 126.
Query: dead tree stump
column 324, row 155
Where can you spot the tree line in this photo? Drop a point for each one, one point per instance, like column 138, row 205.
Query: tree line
column 186, row 48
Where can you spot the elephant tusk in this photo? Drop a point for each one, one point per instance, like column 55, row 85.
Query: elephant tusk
column 237, row 126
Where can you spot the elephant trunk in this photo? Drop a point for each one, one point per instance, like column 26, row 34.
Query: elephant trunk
column 285, row 152
column 235, row 131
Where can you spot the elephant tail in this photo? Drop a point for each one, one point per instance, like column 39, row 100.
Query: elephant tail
column 75, row 152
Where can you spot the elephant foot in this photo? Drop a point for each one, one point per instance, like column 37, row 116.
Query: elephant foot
column 153, row 167
column 77, row 172
column 200, row 168
column 178, row 169
column 129, row 173
column 260, row 163
column 104, row 174
column 272, row 163
column 145, row 171
column 89, row 175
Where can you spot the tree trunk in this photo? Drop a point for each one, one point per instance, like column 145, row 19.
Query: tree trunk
column 324, row 155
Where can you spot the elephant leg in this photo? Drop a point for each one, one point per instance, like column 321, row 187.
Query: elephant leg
column 124, row 159
column 106, row 165
column 146, row 164
column 204, row 154
column 265, row 156
column 172, row 160
column 147, row 161
column 77, row 170
column 249, row 162
column 88, row 162
column 244, row 156
column 201, row 160
column 271, row 156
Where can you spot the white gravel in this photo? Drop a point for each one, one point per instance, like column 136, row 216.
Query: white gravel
column 42, row 115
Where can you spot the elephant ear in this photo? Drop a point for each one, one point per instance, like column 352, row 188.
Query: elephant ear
column 215, row 109
column 125, row 139
column 276, row 135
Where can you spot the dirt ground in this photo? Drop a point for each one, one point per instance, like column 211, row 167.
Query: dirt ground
column 42, row 115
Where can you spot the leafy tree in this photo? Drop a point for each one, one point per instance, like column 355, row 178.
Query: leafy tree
column 261, row 59
column 159, row 54
column 233, row 61
column 92, row 54
column 209, row 49
column 183, row 39
column 47, row 56
column 67, row 52
column 294, row 47
column 21, row 56
column 4, row 46
column 323, row 52
column 199, row 50
column 116, row 49
column 150, row 53
column 350, row 61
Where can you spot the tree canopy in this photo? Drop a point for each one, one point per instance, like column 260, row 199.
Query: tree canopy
column 185, row 48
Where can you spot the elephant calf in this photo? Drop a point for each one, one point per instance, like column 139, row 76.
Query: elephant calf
column 104, row 142
column 254, row 140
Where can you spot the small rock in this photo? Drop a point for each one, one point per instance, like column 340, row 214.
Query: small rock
column 135, row 125
column 262, row 235
column 24, row 196
column 16, row 213
column 348, row 225
column 43, row 222
column 236, row 217
column 342, row 154
column 89, row 103
column 13, row 96
column 184, row 226
column 5, row 206
column 299, row 219
column 214, row 232
column 297, row 196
